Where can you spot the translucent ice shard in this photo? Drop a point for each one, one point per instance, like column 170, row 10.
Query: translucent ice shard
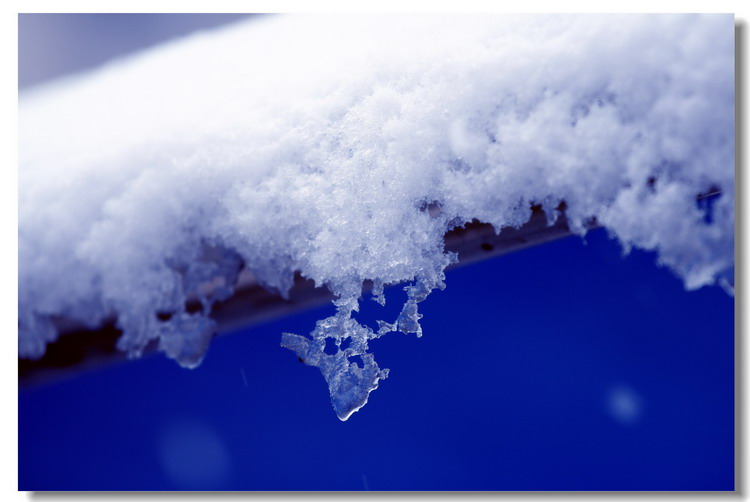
column 340, row 340
column 185, row 339
column 348, row 383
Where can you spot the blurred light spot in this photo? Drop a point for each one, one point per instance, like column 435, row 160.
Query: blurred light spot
column 624, row 405
column 193, row 455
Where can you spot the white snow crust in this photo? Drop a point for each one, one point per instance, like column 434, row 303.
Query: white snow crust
column 313, row 143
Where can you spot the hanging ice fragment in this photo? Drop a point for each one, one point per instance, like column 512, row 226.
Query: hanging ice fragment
column 339, row 339
column 348, row 384
column 408, row 319
column 186, row 337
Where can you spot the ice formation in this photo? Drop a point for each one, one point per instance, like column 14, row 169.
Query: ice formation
column 312, row 143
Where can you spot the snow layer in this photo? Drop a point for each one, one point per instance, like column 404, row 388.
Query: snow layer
column 313, row 144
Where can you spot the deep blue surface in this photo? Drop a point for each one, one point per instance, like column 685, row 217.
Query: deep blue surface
column 561, row 367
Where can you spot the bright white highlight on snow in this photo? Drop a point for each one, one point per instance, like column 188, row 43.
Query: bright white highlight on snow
column 313, row 144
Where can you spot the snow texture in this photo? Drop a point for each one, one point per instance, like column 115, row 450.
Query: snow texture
column 314, row 143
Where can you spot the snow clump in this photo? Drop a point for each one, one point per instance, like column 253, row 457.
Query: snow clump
column 310, row 144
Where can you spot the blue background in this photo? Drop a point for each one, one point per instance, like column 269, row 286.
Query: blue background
column 514, row 386
column 561, row 367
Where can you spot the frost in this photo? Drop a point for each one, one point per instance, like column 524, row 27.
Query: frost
column 342, row 148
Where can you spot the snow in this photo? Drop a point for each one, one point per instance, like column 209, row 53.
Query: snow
column 314, row 144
